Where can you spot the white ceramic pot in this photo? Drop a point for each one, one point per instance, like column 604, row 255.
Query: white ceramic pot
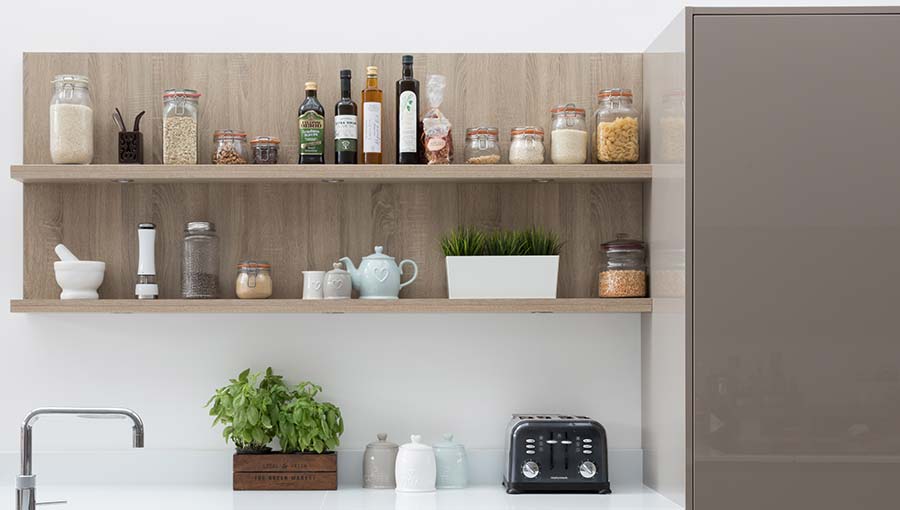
column 79, row 279
column 415, row 470
column 502, row 277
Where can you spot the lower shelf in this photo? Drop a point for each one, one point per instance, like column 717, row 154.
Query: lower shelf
column 580, row 305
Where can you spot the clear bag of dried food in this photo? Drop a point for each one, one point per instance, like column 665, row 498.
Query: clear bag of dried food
column 437, row 139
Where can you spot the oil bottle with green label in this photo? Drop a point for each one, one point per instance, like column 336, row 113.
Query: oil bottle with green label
column 311, row 120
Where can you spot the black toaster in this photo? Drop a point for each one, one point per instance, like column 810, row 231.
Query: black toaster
column 555, row 453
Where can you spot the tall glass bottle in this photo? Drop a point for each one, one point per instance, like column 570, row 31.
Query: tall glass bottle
column 345, row 124
column 372, row 97
column 408, row 136
column 311, row 120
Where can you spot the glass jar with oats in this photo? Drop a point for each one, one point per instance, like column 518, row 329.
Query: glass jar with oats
column 617, row 128
column 623, row 272
column 180, row 136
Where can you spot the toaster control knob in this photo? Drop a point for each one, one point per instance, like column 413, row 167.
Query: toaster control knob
column 587, row 469
column 531, row 469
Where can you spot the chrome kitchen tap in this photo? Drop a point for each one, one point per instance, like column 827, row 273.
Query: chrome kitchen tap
column 25, row 482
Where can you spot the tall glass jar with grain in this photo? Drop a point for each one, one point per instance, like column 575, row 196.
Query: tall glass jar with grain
column 180, row 114
column 623, row 271
column 71, row 121
column 617, row 133
column 568, row 135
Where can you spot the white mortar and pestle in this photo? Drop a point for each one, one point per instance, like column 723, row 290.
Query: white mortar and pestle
column 79, row 279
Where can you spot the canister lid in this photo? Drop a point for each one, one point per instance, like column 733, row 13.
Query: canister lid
column 567, row 109
column 265, row 140
column 416, row 444
column 199, row 226
column 229, row 134
column 448, row 444
column 191, row 93
column 338, row 268
column 617, row 92
column 622, row 243
column 71, row 79
column 482, row 131
column 527, row 130
column 382, row 443
column 254, row 264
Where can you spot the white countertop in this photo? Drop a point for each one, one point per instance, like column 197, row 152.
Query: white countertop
column 216, row 497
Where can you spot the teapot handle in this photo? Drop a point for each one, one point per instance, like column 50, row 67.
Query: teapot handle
column 415, row 272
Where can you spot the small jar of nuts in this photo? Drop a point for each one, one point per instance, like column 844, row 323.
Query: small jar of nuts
column 617, row 134
column 230, row 148
column 482, row 146
column 623, row 272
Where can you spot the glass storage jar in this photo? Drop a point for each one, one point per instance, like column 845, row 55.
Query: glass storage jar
column 526, row 145
column 623, row 271
column 230, row 147
column 482, row 146
column 265, row 150
column 254, row 280
column 617, row 133
column 671, row 128
column 71, row 120
column 568, row 135
column 200, row 261
column 180, row 134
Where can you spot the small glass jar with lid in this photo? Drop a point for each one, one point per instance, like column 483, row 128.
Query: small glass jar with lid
column 623, row 271
column 265, row 150
column 482, row 146
column 254, row 280
column 200, row 261
column 568, row 135
column 526, row 145
column 617, row 130
column 71, row 120
column 180, row 119
column 231, row 147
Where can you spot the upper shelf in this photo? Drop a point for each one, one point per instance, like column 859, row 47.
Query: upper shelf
column 328, row 173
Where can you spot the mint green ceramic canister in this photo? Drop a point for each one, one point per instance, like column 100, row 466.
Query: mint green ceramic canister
column 452, row 466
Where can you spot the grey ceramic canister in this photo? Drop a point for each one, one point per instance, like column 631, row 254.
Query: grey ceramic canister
column 337, row 283
column 452, row 465
column 378, row 464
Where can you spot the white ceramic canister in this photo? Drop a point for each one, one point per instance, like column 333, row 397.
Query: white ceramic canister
column 313, row 283
column 452, row 468
column 379, row 463
column 338, row 284
column 415, row 469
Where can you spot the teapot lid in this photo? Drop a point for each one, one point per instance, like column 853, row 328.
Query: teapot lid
column 448, row 444
column 378, row 255
column 415, row 444
column 339, row 269
column 382, row 443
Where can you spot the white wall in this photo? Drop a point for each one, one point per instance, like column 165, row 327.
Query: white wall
column 426, row 374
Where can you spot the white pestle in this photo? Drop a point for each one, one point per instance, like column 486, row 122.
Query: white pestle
column 64, row 254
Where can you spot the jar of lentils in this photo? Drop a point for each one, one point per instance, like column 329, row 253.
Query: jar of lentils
column 568, row 135
column 200, row 261
column 482, row 146
column 617, row 131
column 526, row 145
column 180, row 113
column 230, row 148
column 265, row 150
column 623, row 272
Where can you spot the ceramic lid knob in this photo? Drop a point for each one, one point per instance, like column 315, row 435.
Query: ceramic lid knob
column 448, row 437
column 381, row 435
column 415, row 438
column 379, row 250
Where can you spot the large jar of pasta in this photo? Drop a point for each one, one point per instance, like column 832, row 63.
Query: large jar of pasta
column 617, row 133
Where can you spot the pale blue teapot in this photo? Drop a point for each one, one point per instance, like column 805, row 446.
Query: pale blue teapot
column 378, row 276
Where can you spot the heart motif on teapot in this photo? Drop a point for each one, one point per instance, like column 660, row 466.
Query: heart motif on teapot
column 381, row 273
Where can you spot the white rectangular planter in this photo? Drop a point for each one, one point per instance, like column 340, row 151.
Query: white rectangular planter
column 502, row 277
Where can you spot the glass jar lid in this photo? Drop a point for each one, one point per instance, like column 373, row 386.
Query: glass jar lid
column 477, row 132
column 265, row 140
column 183, row 93
column 623, row 244
column 229, row 134
column 254, row 265
column 75, row 80
column 526, row 130
column 568, row 110
column 615, row 92
column 197, row 227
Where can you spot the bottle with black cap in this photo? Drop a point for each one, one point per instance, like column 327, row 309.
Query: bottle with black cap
column 345, row 124
column 408, row 136
column 146, row 287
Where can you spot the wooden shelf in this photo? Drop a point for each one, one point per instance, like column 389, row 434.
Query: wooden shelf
column 581, row 305
column 61, row 174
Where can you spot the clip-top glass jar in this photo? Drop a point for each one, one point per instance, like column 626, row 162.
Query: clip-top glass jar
column 254, row 280
column 180, row 134
column 200, row 261
column 71, row 120
column 623, row 272
column 617, row 133
column 568, row 135
column 230, row 147
column 265, row 150
column 526, row 145
column 671, row 128
column 482, row 146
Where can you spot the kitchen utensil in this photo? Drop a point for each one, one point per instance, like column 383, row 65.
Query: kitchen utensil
column 452, row 468
column 555, row 453
column 378, row 276
column 415, row 469
column 79, row 279
column 379, row 463
column 120, row 121
column 313, row 283
column 64, row 254
column 146, row 287
column 137, row 122
column 338, row 284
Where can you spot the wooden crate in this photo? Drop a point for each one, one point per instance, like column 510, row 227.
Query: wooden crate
column 285, row 471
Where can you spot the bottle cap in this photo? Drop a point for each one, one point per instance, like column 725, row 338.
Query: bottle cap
column 311, row 85
column 372, row 71
column 406, row 59
column 345, row 73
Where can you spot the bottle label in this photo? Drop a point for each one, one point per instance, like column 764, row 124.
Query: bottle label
column 407, row 121
column 372, row 127
column 312, row 133
column 345, row 133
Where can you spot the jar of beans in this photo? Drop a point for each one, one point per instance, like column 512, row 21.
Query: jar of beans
column 482, row 146
column 200, row 261
column 568, row 135
column 617, row 133
column 526, row 145
column 623, row 272
column 265, row 150
column 230, row 147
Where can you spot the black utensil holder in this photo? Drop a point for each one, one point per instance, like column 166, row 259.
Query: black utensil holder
column 131, row 148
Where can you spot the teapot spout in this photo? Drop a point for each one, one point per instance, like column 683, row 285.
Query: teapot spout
column 351, row 268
